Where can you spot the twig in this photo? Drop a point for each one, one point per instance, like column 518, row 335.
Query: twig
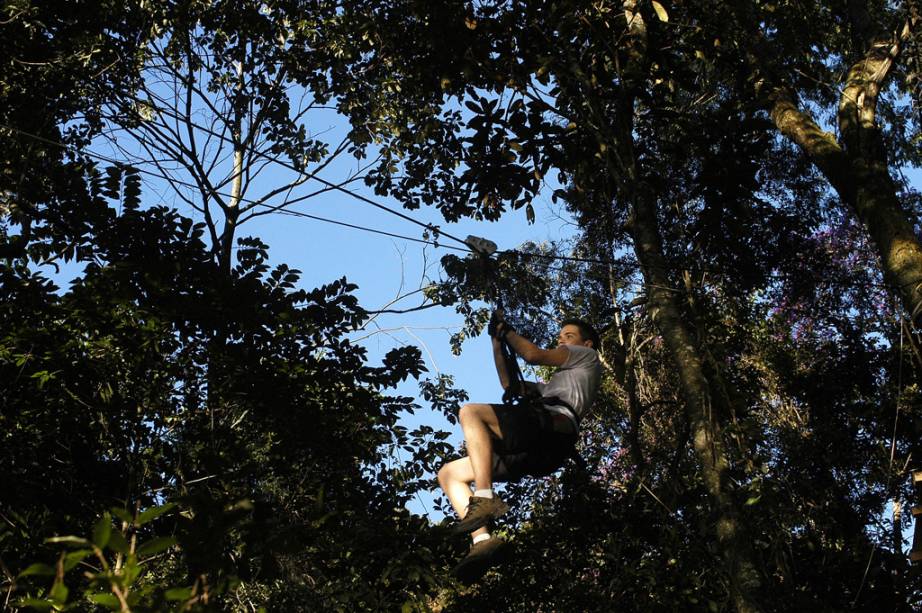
column 426, row 347
column 864, row 577
column 421, row 307
column 655, row 497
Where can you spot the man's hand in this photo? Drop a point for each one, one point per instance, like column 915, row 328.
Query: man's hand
column 497, row 326
column 499, row 330
column 495, row 318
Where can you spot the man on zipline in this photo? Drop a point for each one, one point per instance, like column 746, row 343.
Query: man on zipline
column 506, row 442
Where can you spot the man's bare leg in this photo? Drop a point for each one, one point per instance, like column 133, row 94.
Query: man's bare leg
column 455, row 480
column 477, row 422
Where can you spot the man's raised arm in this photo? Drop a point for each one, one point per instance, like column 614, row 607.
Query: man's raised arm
column 500, row 361
column 533, row 354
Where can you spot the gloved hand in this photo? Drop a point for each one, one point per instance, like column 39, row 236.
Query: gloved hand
column 495, row 319
column 498, row 328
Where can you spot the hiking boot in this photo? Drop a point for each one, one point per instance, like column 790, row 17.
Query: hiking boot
column 480, row 512
column 478, row 560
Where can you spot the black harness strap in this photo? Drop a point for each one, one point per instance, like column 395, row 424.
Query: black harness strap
column 512, row 397
column 574, row 453
column 515, row 393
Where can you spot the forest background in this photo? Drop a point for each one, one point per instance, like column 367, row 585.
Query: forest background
column 190, row 425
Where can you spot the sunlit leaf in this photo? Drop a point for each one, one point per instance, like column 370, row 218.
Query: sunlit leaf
column 35, row 603
column 75, row 557
column 178, row 593
column 74, row 541
column 39, row 570
column 156, row 545
column 118, row 543
column 102, row 530
column 105, row 599
column 122, row 514
column 154, row 512
column 59, row 592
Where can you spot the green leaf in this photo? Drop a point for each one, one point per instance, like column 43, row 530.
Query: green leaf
column 118, row 543
column 112, row 182
column 156, row 545
column 178, row 593
column 154, row 512
column 74, row 541
column 105, row 599
column 102, row 530
column 35, row 603
column 122, row 514
column 37, row 570
column 130, row 571
column 59, row 592
column 660, row 11
column 752, row 500
column 44, row 377
column 75, row 557
column 131, row 195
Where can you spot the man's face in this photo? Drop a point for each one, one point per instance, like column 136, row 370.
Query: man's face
column 570, row 335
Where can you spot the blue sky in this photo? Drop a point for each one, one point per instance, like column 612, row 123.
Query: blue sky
column 383, row 267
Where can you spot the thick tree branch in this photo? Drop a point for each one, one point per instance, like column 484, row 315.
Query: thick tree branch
column 858, row 103
column 819, row 145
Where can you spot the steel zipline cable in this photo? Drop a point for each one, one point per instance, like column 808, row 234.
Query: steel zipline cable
column 279, row 208
column 283, row 211
column 428, row 227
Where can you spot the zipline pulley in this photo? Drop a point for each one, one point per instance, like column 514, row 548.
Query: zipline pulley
column 481, row 246
column 515, row 393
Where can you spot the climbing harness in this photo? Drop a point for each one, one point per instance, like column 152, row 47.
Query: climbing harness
column 517, row 393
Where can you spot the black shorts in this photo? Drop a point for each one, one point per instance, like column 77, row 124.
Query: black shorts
column 529, row 445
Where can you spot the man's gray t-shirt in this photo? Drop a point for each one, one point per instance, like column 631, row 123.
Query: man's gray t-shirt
column 576, row 382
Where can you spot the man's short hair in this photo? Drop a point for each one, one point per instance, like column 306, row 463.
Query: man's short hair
column 585, row 330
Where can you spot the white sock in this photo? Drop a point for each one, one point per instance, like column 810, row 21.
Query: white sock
column 481, row 537
column 488, row 493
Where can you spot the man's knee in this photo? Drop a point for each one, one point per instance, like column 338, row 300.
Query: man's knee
column 456, row 470
column 474, row 414
column 477, row 411
column 468, row 413
column 444, row 474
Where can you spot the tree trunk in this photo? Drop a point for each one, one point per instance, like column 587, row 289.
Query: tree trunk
column 862, row 180
column 232, row 211
column 899, row 583
column 856, row 164
column 634, row 413
column 707, row 435
column 663, row 303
